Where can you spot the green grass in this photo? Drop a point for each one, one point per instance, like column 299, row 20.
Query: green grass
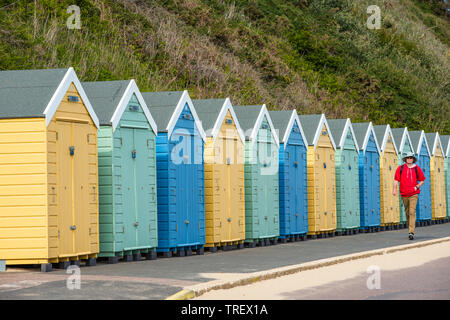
column 312, row 55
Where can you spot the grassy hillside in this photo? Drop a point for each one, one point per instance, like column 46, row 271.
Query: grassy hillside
column 312, row 55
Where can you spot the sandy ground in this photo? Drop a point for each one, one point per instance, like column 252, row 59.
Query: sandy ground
column 279, row 288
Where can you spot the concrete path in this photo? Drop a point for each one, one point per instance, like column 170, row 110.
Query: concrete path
column 416, row 273
column 161, row 278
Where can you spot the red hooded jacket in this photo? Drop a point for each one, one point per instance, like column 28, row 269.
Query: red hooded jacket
column 409, row 180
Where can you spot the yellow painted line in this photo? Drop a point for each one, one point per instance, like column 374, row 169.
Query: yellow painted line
column 182, row 295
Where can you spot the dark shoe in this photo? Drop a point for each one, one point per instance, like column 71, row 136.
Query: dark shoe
column 411, row 236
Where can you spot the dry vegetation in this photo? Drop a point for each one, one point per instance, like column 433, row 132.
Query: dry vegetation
column 315, row 56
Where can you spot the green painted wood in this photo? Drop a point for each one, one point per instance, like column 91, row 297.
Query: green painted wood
column 447, row 183
column 127, row 185
column 406, row 148
column 261, row 186
column 106, row 220
column 347, row 185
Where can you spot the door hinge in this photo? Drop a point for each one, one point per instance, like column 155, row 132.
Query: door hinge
column 56, row 135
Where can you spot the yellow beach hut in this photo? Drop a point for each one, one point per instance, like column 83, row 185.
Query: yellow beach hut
column 321, row 183
column 48, row 169
column 224, row 174
column 389, row 204
column 437, row 170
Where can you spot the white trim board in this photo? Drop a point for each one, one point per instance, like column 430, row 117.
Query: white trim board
column 348, row 125
column 323, row 121
column 403, row 142
column 388, row 132
column 131, row 89
column 447, row 151
column 435, row 142
column 294, row 118
column 185, row 98
column 419, row 146
column 223, row 112
column 264, row 112
column 366, row 139
column 69, row 78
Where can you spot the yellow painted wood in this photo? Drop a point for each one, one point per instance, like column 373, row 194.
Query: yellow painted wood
column 321, row 186
column 44, row 190
column 390, row 208
column 437, row 171
column 224, row 186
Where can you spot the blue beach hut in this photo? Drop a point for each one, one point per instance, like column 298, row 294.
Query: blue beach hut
column 180, row 173
column 422, row 152
column 292, row 175
column 369, row 176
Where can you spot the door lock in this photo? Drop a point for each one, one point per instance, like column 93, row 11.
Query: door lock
column 229, row 219
column 136, row 224
column 133, row 154
column 72, row 150
column 186, row 221
column 74, row 227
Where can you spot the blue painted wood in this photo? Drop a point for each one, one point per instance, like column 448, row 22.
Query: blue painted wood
column 423, row 209
column 369, row 182
column 293, row 188
column 180, row 180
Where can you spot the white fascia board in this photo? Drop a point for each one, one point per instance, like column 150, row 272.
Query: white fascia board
column 223, row 112
column 438, row 140
column 185, row 98
column 406, row 137
column 294, row 119
column 370, row 129
column 447, row 152
column 348, row 126
column 264, row 112
column 131, row 89
column 69, row 78
column 389, row 132
column 323, row 121
column 421, row 139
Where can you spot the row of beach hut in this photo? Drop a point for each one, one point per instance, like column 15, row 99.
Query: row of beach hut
column 101, row 170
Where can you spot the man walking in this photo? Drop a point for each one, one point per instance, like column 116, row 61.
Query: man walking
column 411, row 178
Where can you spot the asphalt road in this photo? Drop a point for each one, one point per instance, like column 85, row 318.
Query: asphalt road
column 158, row 279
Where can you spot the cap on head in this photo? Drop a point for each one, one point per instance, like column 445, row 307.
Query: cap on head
column 409, row 155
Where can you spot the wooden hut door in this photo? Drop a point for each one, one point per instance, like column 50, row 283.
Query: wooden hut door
column 235, row 190
column 73, row 188
column 144, row 193
column 185, row 180
column 65, row 193
column 294, row 188
column 128, row 189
